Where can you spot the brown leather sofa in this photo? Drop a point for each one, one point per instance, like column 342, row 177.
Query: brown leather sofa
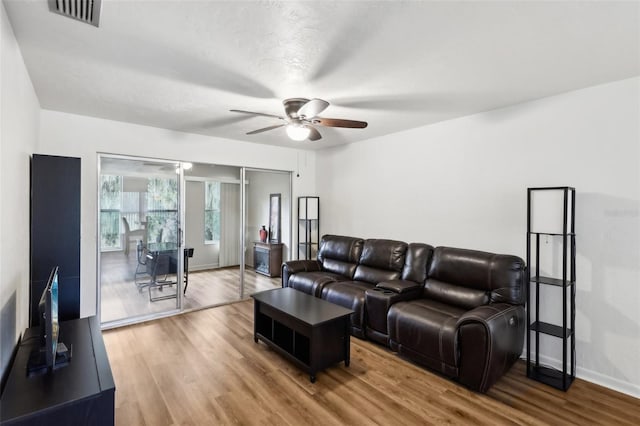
column 459, row 312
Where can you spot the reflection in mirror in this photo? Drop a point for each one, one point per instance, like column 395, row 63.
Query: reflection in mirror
column 213, row 230
column 138, row 234
column 274, row 218
column 268, row 204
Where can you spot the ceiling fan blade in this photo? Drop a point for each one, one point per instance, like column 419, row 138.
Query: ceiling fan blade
column 264, row 129
column 314, row 134
column 312, row 108
column 337, row 122
column 257, row 113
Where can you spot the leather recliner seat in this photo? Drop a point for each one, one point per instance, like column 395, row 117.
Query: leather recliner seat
column 381, row 260
column 337, row 260
column 469, row 321
column 457, row 311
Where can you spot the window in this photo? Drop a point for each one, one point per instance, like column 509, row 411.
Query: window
column 211, row 212
column 110, row 204
column 162, row 213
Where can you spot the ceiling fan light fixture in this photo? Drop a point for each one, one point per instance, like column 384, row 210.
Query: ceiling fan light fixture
column 185, row 166
column 301, row 119
column 297, row 132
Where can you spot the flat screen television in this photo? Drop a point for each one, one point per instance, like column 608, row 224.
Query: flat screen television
column 50, row 354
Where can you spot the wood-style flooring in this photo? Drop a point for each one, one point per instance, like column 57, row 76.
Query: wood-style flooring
column 203, row 367
column 120, row 298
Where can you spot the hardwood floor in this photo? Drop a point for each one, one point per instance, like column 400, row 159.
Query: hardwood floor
column 203, row 367
column 220, row 286
column 120, row 298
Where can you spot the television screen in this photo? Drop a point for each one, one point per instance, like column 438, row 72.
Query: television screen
column 53, row 311
column 50, row 317
column 43, row 357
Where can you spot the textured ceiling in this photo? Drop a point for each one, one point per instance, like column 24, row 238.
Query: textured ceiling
column 183, row 64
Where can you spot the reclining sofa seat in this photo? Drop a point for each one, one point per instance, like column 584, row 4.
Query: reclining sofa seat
column 469, row 321
column 379, row 299
column 381, row 260
column 345, row 268
column 336, row 261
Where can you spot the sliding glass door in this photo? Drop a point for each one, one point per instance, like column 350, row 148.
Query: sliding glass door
column 267, row 228
column 140, row 256
column 212, row 234
column 177, row 236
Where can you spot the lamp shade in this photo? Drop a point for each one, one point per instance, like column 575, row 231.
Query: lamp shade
column 297, row 132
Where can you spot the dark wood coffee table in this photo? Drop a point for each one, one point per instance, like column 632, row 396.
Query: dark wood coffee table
column 311, row 332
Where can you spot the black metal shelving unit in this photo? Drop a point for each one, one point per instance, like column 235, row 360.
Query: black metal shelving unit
column 308, row 227
column 559, row 378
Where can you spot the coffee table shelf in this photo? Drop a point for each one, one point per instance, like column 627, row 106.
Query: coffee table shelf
column 310, row 332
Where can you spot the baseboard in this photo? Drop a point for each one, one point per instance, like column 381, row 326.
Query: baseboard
column 609, row 382
column 617, row 385
column 215, row 267
column 195, row 268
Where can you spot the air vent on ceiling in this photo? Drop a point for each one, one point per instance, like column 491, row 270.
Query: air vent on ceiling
column 87, row 11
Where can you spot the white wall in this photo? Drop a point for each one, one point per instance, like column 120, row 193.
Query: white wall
column 84, row 137
column 463, row 183
column 19, row 116
column 261, row 185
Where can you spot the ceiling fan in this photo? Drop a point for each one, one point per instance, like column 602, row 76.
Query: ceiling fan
column 301, row 117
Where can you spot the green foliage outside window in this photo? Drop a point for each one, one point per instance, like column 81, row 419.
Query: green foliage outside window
column 162, row 205
column 110, row 204
column 211, row 212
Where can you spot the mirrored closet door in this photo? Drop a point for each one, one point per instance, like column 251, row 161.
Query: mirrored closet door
column 212, row 232
column 267, row 236
column 140, row 239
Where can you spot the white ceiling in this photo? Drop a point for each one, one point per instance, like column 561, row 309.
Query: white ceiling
column 183, row 64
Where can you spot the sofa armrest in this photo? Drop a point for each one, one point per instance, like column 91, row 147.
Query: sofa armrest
column 378, row 301
column 294, row 266
column 490, row 339
column 400, row 286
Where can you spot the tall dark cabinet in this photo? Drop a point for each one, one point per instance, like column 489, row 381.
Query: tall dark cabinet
column 551, row 260
column 55, row 232
column 308, row 227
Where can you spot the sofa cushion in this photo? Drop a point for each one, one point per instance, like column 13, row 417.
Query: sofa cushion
column 313, row 282
column 351, row 295
column 417, row 262
column 381, row 260
column 500, row 276
column 427, row 327
column 340, row 254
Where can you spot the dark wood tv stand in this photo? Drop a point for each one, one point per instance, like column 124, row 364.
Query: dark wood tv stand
column 81, row 393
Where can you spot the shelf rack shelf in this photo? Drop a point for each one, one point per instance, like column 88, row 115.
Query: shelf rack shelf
column 552, row 281
column 563, row 376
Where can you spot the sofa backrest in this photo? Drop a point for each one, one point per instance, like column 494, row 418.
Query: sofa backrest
column 339, row 254
column 470, row 278
column 381, row 260
column 417, row 262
